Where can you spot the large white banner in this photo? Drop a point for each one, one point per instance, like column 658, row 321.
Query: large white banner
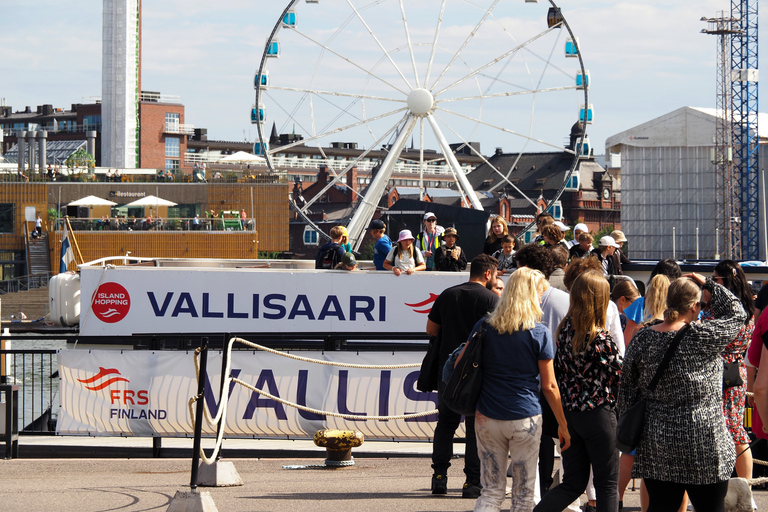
column 144, row 393
column 124, row 301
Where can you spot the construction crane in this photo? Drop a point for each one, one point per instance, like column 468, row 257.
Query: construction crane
column 727, row 215
column 744, row 77
column 736, row 137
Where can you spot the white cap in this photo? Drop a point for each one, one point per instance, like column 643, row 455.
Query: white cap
column 429, row 215
column 608, row 241
column 562, row 226
column 581, row 227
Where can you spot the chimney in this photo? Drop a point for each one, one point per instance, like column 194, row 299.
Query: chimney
column 499, row 151
column 354, row 185
column 322, row 176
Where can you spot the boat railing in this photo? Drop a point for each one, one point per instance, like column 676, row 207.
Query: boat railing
column 36, row 373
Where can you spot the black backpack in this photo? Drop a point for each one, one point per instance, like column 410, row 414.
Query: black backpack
column 328, row 258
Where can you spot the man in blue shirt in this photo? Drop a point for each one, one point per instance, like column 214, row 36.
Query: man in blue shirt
column 383, row 243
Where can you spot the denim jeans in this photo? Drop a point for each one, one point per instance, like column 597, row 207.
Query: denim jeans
column 497, row 440
column 442, row 445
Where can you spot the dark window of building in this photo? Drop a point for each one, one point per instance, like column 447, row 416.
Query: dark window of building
column 6, row 217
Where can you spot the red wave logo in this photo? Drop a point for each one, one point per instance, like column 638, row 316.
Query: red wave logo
column 104, row 373
column 428, row 302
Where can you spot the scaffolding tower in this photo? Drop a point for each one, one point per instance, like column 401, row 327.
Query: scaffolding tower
column 727, row 213
column 744, row 77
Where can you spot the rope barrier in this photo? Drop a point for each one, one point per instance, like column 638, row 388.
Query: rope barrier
column 224, row 398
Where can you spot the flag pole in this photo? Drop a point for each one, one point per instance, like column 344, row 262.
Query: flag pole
column 74, row 240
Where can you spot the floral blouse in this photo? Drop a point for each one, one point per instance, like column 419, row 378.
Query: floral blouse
column 589, row 379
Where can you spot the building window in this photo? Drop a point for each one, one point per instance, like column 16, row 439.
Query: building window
column 92, row 123
column 172, row 121
column 172, row 147
column 6, row 217
column 310, row 236
column 171, row 164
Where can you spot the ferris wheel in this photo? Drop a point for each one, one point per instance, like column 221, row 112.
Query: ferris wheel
column 438, row 75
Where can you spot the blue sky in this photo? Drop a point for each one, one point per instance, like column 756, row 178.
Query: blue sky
column 645, row 58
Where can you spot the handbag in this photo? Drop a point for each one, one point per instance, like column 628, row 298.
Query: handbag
column 629, row 429
column 429, row 376
column 462, row 388
column 732, row 375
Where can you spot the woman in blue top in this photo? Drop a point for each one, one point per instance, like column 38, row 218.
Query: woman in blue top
column 517, row 355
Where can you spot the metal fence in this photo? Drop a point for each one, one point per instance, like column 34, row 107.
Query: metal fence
column 36, row 373
column 25, row 283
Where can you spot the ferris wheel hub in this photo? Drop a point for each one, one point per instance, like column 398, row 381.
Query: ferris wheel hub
column 420, row 102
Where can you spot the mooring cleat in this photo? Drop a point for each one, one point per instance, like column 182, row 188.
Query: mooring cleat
column 338, row 445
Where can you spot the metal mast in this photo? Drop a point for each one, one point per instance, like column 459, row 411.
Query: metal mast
column 726, row 186
column 744, row 77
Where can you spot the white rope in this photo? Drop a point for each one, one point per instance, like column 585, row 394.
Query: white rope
column 328, row 363
column 224, row 395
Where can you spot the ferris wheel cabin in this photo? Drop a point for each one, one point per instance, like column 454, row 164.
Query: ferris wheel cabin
column 261, row 80
column 572, row 47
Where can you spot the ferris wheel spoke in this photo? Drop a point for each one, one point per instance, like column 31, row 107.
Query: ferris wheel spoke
column 504, row 94
column 453, row 164
column 494, row 61
column 464, row 45
column 334, row 93
column 482, row 157
column 421, row 159
column 505, row 130
column 367, row 206
column 337, row 130
column 352, row 164
column 410, row 46
column 350, row 61
column 434, row 42
column 290, row 116
column 397, row 68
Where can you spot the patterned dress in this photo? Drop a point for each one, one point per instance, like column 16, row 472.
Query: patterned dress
column 684, row 439
column 734, row 398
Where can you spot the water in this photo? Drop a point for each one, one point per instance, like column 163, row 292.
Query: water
column 35, row 374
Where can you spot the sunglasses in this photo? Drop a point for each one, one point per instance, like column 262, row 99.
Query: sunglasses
column 431, row 220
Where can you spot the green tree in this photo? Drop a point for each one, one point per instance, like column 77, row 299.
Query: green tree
column 80, row 158
column 604, row 231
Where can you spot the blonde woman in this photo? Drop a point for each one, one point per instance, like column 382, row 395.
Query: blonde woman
column 497, row 231
column 636, row 313
column 647, row 309
column 588, row 365
column 517, row 352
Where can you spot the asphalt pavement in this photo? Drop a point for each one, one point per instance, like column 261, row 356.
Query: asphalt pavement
column 386, row 477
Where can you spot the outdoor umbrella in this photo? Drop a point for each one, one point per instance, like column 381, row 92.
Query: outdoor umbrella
column 92, row 201
column 241, row 157
column 152, row 201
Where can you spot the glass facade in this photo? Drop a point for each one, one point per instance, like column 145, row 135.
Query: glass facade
column 172, row 147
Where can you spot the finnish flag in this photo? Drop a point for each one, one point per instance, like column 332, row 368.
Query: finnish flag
column 67, row 255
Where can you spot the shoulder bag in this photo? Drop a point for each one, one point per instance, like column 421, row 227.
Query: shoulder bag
column 462, row 387
column 630, row 426
column 430, row 373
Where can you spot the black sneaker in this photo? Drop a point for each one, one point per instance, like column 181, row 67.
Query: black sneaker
column 471, row 490
column 439, row 484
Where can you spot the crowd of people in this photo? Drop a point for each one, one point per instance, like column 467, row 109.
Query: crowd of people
column 570, row 343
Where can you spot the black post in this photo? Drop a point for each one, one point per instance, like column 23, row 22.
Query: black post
column 199, row 412
column 224, row 360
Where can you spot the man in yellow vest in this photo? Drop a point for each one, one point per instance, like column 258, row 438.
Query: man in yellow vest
column 428, row 240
